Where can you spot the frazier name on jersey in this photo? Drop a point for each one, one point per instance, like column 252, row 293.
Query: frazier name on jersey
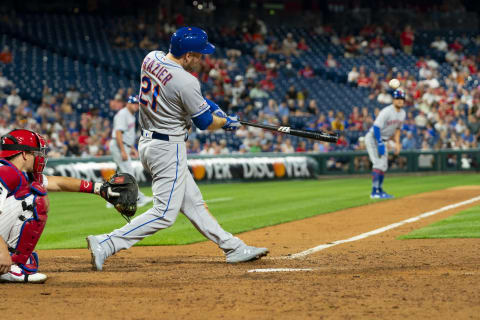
column 157, row 70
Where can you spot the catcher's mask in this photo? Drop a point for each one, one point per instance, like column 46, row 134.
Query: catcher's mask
column 22, row 140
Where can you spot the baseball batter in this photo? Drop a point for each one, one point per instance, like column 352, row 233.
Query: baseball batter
column 24, row 203
column 170, row 99
column 122, row 145
column 386, row 125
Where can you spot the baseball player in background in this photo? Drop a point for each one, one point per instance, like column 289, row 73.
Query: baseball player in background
column 170, row 99
column 386, row 125
column 24, row 203
column 122, row 145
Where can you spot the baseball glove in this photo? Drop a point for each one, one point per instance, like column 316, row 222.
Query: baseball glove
column 121, row 191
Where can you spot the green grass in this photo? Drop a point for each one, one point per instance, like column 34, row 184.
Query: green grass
column 465, row 224
column 254, row 205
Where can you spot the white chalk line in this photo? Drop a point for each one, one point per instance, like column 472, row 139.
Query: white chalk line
column 380, row 230
column 218, row 200
column 358, row 237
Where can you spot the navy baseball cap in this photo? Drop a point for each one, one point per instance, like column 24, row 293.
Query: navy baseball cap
column 132, row 99
column 398, row 94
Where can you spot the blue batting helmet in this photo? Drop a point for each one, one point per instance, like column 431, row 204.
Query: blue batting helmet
column 398, row 94
column 190, row 39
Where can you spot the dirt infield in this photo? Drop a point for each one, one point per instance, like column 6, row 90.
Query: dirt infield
column 375, row 278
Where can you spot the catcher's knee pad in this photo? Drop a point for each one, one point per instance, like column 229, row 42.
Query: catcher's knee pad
column 32, row 228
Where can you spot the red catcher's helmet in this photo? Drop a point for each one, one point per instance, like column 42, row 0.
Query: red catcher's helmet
column 20, row 140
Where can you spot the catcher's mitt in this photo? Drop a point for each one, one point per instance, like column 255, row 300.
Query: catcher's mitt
column 121, row 191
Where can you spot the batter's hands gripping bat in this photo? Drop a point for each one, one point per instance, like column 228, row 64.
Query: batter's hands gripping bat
column 315, row 135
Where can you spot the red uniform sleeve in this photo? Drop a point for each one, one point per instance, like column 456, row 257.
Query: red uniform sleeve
column 10, row 178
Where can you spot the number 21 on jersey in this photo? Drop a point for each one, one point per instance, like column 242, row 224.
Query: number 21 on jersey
column 147, row 89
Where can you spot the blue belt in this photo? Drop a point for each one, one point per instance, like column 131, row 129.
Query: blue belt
column 160, row 136
column 164, row 137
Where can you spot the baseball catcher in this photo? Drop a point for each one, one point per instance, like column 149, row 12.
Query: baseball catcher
column 24, row 203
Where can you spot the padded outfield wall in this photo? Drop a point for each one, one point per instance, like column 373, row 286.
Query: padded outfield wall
column 261, row 167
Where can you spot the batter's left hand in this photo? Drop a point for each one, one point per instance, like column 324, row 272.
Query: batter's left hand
column 232, row 123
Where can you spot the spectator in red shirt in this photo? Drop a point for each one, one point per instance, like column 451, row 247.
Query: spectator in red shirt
column 274, row 47
column 247, row 37
column 302, row 45
column 83, row 137
column 456, row 45
column 6, row 55
column 376, row 45
column 471, row 66
column 342, row 142
column 421, row 63
column 406, row 39
column 267, row 84
column 302, row 147
column 307, row 72
column 179, row 20
column 363, row 80
column 355, row 119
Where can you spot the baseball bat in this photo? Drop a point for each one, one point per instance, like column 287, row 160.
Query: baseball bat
column 315, row 135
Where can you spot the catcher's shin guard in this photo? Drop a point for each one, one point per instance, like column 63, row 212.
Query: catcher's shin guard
column 31, row 230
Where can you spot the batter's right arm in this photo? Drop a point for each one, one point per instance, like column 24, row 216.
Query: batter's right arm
column 231, row 123
column 217, row 123
column 199, row 109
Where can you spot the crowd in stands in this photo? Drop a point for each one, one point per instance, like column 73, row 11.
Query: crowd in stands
column 67, row 132
column 442, row 109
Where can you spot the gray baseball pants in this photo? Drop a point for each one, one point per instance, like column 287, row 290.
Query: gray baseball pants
column 378, row 162
column 174, row 190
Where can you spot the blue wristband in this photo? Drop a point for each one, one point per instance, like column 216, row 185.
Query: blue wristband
column 213, row 106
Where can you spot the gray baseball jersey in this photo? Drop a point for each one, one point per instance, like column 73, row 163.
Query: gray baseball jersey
column 388, row 120
column 124, row 121
column 169, row 98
